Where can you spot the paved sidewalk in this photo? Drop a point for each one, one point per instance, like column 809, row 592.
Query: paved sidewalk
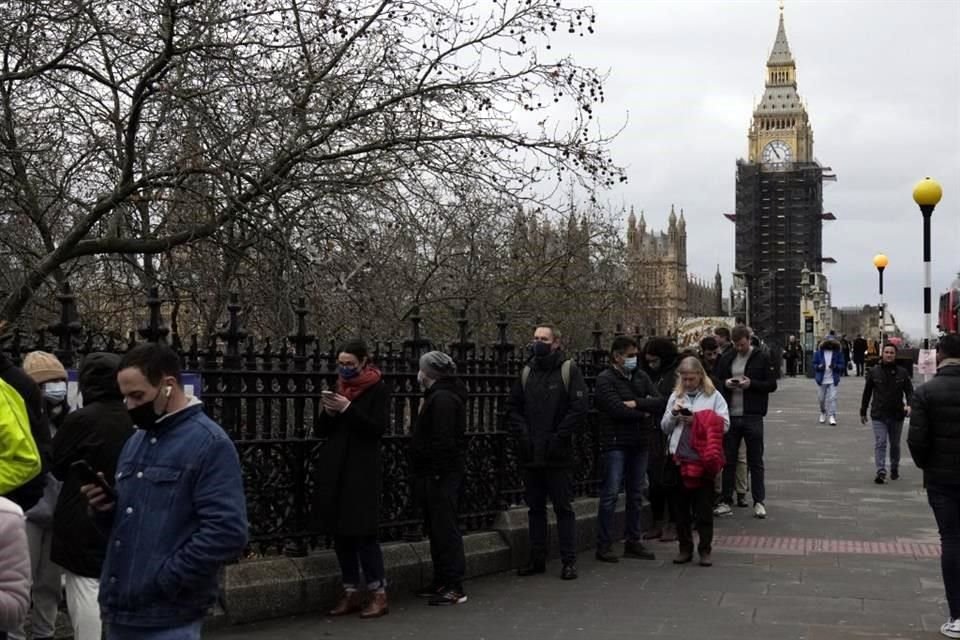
column 838, row 558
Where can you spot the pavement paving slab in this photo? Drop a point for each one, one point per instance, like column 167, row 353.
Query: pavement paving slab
column 838, row 558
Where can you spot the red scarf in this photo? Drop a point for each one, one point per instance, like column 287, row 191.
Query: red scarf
column 352, row 388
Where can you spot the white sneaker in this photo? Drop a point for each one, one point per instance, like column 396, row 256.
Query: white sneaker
column 759, row 511
column 951, row 629
column 722, row 510
column 833, row 421
column 823, row 418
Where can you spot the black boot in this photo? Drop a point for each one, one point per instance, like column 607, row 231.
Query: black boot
column 532, row 568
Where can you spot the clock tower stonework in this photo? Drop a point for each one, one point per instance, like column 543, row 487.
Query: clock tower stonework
column 779, row 202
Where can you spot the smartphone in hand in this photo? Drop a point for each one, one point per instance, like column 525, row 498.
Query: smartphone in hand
column 87, row 475
column 685, row 412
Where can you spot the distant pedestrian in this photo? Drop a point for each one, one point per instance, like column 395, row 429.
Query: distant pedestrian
column 354, row 418
column 94, row 434
column 859, row 353
column 845, row 346
column 695, row 423
column 890, row 388
column 660, row 360
column 828, row 367
column 748, row 380
column 934, row 442
column 14, row 567
column 793, row 354
column 437, row 465
column 547, row 406
column 625, row 399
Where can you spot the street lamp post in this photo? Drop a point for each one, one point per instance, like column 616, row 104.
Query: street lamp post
column 881, row 261
column 927, row 194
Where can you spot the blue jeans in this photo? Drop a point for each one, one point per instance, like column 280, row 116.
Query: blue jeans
column 887, row 429
column 827, row 397
column 355, row 553
column 186, row 632
column 628, row 464
column 944, row 499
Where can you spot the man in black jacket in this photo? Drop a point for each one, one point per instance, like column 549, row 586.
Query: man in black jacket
column 30, row 493
column 859, row 353
column 96, row 433
column 626, row 400
column 934, row 441
column 891, row 389
column 748, row 380
column 437, row 449
column 547, row 405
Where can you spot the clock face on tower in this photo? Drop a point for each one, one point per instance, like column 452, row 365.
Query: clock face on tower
column 777, row 152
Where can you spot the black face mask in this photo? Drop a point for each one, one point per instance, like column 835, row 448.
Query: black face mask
column 541, row 349
column 145, row 416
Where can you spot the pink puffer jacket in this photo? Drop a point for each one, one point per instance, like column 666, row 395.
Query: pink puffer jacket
column 14, row 567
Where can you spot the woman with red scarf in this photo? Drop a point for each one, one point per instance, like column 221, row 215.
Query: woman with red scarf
column 347, row 504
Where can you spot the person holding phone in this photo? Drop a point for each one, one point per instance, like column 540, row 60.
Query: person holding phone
column 88, row 441
column 347, row 497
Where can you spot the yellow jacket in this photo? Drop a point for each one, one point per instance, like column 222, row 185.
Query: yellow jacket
column 19, row 457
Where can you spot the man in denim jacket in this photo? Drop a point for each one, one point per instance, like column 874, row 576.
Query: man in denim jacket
column 179, row 513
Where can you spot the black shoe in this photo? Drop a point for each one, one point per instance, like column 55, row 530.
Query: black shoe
column 432, row 590
column 448, row 597
column 607, row 555
column 894, row 474
column 742, row 500
column 637, row 550
column 532, row 569
column 569, row 572
column 881, row 477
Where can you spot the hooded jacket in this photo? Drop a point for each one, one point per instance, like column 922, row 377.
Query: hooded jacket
column 837, row 363
column 934, row 434
column 437, row 446
column 30, row 493
column 95, row 433
column 665, row 376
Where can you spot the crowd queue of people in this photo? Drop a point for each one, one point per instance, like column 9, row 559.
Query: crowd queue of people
column 135, row 501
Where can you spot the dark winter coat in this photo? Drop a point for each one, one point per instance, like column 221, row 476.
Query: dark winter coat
column 934, row 434
column 890, row 387
column 95, row 433
column 347, row 495
column 438, row 446
column 544, row 414
column 763, row 380
column 621, row 426
column 859, row 350
column 30, row 493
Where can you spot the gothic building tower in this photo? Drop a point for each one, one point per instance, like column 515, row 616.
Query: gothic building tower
column 779, row 200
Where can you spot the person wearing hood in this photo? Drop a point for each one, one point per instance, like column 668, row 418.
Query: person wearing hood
column 47, row 371
column 546, row 407
column 887, row 390
column 437, row 465
column 95, row 433
column 828, row 367
column 660, row 359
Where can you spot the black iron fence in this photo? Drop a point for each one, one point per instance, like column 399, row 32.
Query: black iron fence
column 265, row 393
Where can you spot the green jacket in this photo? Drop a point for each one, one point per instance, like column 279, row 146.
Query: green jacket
column 19, row 457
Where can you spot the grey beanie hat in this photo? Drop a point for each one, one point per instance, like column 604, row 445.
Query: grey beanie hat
column 437, row 365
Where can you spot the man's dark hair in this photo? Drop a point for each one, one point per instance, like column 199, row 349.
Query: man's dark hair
column 709, row 343
column 739, row 333
column 620, row 344
column 154, row 360
column 356, row 348
column 891, row 345
column 949, row 345
column 723, row 332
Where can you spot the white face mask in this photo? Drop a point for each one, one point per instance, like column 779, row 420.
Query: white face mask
column 55, row 392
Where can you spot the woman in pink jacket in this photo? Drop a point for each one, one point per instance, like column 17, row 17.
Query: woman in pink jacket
column 14, row 568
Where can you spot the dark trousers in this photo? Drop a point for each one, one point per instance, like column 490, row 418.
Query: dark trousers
column 791, row 366
column 439, row 497
column 695, row 505
column 661, row 505
column 944, row 499
column 859, row 367
column 557, row 485
column 621, row 467
column 749, row 429
column 360, row 552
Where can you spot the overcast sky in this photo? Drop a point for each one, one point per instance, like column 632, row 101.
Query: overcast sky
column 882, row 86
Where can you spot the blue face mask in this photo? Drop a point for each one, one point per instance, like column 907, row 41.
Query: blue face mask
column 630, row 364
column 55, row 392
column 348, row 372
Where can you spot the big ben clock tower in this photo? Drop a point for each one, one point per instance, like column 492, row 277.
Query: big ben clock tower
column 779, row 201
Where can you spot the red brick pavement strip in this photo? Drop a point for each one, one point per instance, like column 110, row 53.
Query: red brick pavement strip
column 806, row 546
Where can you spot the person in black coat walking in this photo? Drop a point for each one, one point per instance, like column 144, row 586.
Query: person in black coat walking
column 437, row 449
column 625, row 399
column 547, row 405
column 95, row 433
column 890, row 389
column 934, row 442
column 347, row 499
column 859, row 353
